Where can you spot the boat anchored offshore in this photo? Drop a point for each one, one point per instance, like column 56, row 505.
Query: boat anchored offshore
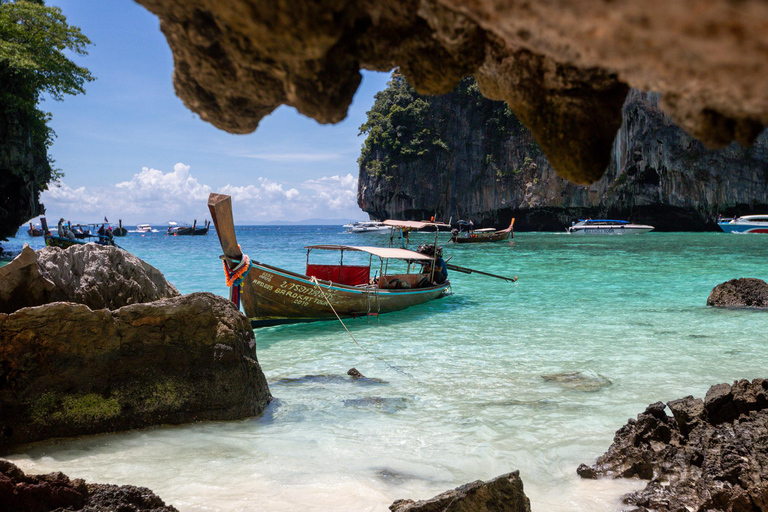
column 465, row 234
column 272, row 295
column 606, row 227
column 187, row 230
column 372, row 226
column 745, row 224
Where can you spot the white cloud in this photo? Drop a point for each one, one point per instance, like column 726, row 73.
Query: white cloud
column 155, row 196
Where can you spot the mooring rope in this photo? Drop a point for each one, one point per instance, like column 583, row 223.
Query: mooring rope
column 392, row 367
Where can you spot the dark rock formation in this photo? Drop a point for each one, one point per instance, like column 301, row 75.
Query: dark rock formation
column 502, row 494
column 95, row 275
column 55, row 491
column 480, row 163
column 68, row 370
column 24, row 167
column 746, row 292
column 563, row 66
column 355, row 374
column 710, row 455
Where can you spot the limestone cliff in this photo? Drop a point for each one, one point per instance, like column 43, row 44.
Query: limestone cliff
column 24, row 168
column 463, row 156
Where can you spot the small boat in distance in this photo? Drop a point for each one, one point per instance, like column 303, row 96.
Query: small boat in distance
column 35, row 230
column 465, row 234
column 66, row 239
column 745, row 224
column 187, row 230
column 119, row 230
column 370, row 226
column 606, row 227
column 143, row 228
column 272, row 295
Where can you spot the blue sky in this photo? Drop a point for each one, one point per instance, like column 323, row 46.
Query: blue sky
column 129, row 148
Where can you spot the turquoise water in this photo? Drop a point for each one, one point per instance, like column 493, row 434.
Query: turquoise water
column 461, row 395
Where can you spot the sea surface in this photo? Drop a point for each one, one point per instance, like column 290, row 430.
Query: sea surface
column 458, row 391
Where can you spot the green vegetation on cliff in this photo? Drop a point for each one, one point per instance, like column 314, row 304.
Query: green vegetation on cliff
column 33, row 63
column 404, row 127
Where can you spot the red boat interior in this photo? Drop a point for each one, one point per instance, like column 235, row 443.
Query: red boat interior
column 351, row 275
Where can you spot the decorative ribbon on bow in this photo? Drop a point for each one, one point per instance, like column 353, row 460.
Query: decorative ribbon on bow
column 235, row 277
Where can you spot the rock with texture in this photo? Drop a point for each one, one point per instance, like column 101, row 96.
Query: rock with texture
column 68, row 370
column 711, row 455
column 55, row 491
column 95, row 275
column 481, row 163
column 746, row 292
column 502, row 494
column 563, row 66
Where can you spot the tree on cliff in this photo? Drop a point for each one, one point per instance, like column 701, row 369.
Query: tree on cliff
column 33, row 41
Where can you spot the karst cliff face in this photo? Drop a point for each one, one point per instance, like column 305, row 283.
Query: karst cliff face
column 473, row 159
column 24, row 170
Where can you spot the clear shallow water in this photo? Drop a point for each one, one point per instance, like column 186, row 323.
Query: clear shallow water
column 461, row 395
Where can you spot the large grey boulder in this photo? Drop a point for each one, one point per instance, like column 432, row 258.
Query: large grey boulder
column 94, row 275
column 502, row 494
column 746, row 292
column 69, row 370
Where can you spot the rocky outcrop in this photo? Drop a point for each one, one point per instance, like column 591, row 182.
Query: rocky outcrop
column 502, row 494
column 55, row 491
column 740, row 293
column 564, row 67
column 69, row 370
column 711, row 454
column 94, row 275
column 483, row 164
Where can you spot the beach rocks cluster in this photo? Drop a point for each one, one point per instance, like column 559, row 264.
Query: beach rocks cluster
column 55, row 491
column 711, row 454
column 71, row 369
column 94, row 275
column 502, row 494
column 746, row 292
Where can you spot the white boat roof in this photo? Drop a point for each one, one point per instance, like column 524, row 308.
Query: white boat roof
column 484, row 230
column 382, row 252
column 414, row 224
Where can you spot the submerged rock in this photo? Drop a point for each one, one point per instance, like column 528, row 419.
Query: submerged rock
column 69, row 370
column 578, row 381
column 55, row 491
column 95, row 275
column 502, row 494
column 746, row 292
column 712, row 454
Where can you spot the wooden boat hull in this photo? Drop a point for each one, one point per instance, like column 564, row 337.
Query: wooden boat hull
column 119, row 232
column 272, row 296
column 498, row 236
column 57, row 241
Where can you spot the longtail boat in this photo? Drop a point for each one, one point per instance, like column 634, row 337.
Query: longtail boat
column 120, row 230
column 476, row 236
column 35, row 231
column 189, row 231
column 64, row 242
column 272, row 295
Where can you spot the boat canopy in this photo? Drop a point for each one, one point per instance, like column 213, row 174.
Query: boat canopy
column 484, row 230
column 382, row 252
column 593, row 221
column 415, row 224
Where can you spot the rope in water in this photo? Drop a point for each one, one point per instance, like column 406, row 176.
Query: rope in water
column 392, row 367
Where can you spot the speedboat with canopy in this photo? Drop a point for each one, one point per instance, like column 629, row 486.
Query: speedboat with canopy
column 606, row 227
column 745, row 224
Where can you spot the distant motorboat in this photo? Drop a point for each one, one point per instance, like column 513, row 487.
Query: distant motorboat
column 371, row 226
column 143, row 228
column 745, row 224
column 607, row 227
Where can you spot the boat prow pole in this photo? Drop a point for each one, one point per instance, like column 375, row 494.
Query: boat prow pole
column 466, row 270
column 220, row 206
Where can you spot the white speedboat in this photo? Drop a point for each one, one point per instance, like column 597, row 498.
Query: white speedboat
column 143, row 228
column 745, row 224
column 607, row 227
column 371, row 226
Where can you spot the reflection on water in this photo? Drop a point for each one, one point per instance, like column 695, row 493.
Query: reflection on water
column 454, row 389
